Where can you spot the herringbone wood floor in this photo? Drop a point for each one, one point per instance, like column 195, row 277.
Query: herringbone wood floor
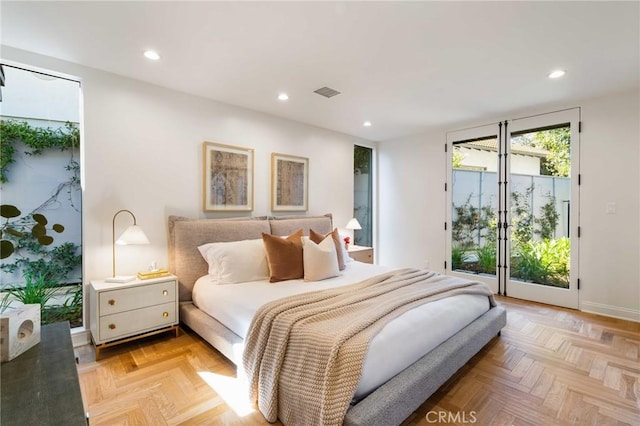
column 550, row 366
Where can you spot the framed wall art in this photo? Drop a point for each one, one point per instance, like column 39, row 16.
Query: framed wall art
column 227, row 178
column 289, row 183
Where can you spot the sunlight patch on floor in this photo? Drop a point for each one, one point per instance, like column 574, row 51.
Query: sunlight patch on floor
column 232, row 390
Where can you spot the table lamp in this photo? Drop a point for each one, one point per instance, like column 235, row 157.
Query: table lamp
column 131, row 236
column 352, row 225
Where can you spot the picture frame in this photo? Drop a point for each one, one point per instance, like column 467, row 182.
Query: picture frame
column 289, row 183
column 227, row 178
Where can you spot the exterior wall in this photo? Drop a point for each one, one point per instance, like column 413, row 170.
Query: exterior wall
column 412, row 201
column 524, row 164
column 42, row 102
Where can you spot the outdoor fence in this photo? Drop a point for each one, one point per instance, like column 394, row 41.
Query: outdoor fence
column 478, row 192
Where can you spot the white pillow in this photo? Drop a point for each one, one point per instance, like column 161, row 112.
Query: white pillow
column 236, row 261
column 320, row 260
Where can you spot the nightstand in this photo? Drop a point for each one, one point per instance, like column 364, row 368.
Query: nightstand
column 121, row 312
column 361, row 253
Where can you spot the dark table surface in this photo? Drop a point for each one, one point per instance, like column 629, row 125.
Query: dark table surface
column 40, row 386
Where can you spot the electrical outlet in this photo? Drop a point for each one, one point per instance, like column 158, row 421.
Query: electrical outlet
column 611, row 208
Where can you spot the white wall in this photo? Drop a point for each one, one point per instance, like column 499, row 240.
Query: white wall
column 412, row 172
column 142, row 148
column 411, row 200
column 610, row 245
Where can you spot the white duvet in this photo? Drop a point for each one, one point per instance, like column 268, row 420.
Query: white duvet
column 399, row 344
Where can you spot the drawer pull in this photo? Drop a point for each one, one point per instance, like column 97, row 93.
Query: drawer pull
column 165, row 314
column 112, row 302
column 112, row 326
column 165, row 293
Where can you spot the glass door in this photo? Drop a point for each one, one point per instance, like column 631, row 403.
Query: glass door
column 473, row 203
column 512, row 206
column 543, row 208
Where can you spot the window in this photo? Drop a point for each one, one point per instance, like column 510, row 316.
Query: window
column 363, row 194
column 41, row 197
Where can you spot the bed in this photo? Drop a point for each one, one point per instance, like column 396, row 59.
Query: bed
column 380, row 399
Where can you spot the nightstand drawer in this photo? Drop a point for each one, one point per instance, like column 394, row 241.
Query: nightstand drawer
column 361, row 254
column 137, row 321
column 126, row 299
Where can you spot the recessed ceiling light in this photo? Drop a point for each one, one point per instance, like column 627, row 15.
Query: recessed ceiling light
column 557, row 73
column 151, row 54
column 283, row 96
column 367, row 124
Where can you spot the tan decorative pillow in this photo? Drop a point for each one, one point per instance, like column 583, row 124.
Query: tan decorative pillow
column 284, row 256
column 317, row 238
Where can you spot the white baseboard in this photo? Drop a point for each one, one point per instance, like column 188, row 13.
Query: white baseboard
column 611, row 311
column 80, row 337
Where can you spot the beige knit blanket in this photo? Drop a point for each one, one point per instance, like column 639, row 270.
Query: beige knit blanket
column 303, row 354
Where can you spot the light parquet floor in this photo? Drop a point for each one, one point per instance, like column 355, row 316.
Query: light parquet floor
column 551, row 366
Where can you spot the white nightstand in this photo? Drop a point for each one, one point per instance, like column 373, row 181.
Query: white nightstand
column 121, row 312
column 361, row 253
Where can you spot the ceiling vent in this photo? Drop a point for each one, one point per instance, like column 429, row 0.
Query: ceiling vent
column 327, row 92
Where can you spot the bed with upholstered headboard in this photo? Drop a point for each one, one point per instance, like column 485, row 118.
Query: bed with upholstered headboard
column 389, row 403
column 185, row 261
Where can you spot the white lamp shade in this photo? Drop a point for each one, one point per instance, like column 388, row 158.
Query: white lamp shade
column 353, row 224
column 132, row 235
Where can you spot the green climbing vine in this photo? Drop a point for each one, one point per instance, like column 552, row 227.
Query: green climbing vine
column 25, row 237
column 36, row 139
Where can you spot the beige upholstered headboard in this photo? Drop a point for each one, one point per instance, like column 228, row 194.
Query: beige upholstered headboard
column 185, row 235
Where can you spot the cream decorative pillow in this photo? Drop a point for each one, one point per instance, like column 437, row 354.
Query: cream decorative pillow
column 337, row 240
column 320, row 260
column 284, row 256
column 236, row 261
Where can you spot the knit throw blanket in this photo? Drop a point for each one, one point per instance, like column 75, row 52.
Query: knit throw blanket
column 303, row 354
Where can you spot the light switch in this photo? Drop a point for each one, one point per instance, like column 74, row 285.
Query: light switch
column 611, row 208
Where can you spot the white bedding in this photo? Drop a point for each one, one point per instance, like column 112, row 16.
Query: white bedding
column 399, row 344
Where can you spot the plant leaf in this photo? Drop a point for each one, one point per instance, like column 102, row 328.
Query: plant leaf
column 40, row 219
column 6, row 249
column 14, row 232
column 45, row 240
column 58, row 228
column 8, row 211
column 39, row 231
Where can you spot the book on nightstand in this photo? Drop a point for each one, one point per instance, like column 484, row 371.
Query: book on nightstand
column 156, row 273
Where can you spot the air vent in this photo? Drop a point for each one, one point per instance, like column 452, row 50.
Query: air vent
column 327, row 92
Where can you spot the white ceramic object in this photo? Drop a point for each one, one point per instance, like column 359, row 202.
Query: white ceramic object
column 19, row 330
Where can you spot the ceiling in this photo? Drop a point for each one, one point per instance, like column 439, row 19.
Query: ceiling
column 404, row 66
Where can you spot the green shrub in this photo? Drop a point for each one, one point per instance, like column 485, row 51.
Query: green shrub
column 544, row 262
column 458, row 257
column 70, row 310
column 548, row 220
column 522, row 219
column 37, row 289
column 472, row 224
column 487, row 258
column 5, row 302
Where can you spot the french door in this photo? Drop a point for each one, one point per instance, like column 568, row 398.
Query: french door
column 512, row 199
